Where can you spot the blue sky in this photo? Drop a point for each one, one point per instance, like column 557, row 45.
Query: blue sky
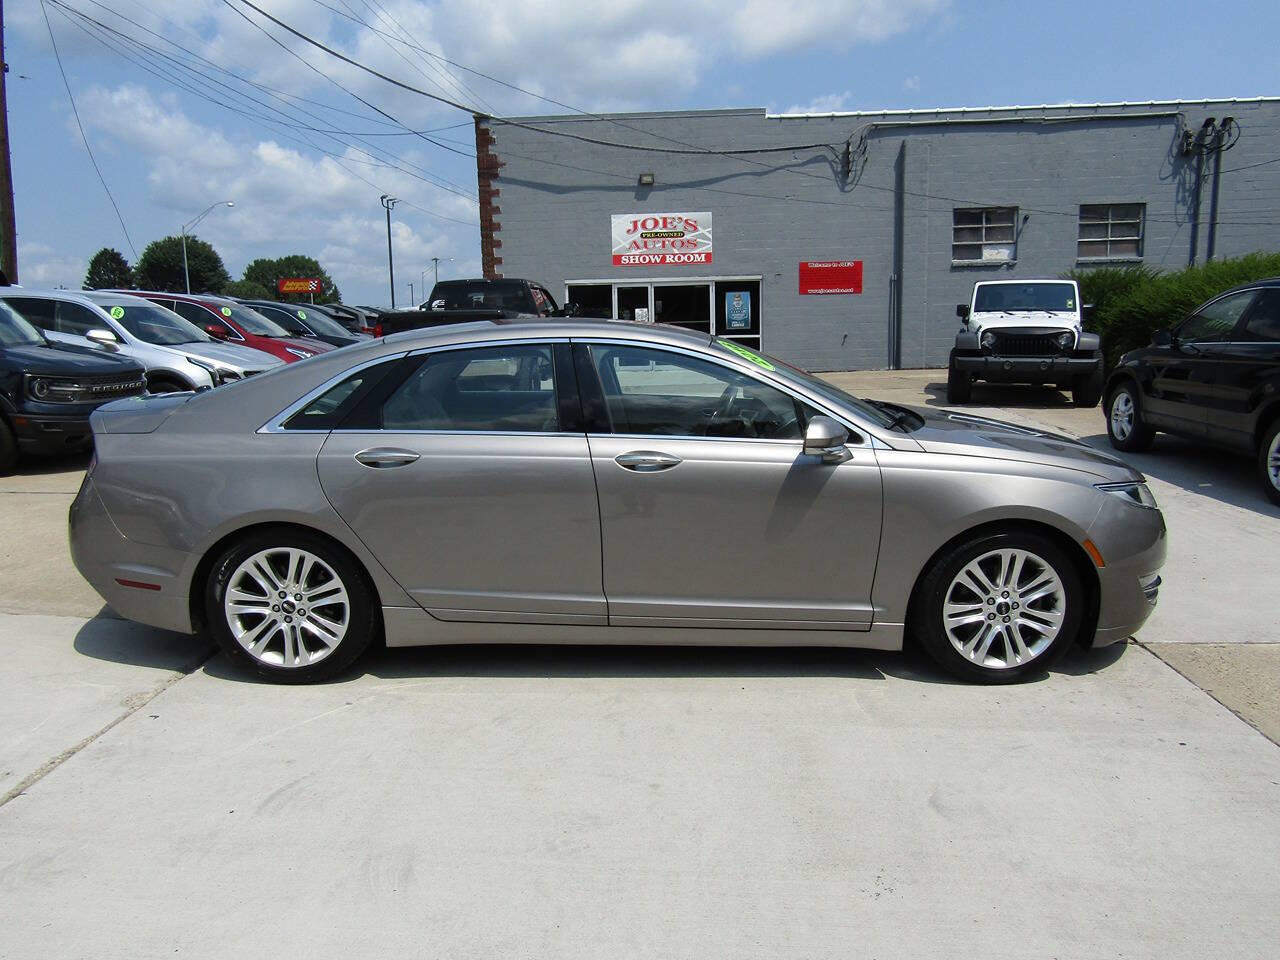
column 167, row 152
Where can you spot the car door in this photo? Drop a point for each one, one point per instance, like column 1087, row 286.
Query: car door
column 472, row 484
column 710, row 512
column 1182, row 373
column 1243, row 365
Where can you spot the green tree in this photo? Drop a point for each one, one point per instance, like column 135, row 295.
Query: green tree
column 108, row 270
column 265, row 271
column 160, row 267
column 248, row 290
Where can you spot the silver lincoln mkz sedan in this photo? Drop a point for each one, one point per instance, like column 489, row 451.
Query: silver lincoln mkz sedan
column 575, row 482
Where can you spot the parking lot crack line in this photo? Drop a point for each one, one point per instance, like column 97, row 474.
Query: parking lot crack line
column 50, row 765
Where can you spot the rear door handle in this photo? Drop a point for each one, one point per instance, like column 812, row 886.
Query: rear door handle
column 379, row 457
column 646, row 461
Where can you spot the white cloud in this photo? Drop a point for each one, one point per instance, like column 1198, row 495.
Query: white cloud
column 827, row 103
column 39, row 265
column 912, row 82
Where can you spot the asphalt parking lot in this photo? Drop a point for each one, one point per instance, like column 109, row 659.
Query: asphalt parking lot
column 563, row 802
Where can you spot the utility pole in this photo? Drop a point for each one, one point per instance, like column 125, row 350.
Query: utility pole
column 8, row 221
column 412, row 302
column 436, row 262
column 387, row 203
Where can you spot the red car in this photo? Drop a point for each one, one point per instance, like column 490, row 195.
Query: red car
column 233, row 322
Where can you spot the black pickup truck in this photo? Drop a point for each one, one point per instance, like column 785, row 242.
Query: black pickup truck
column 463, row 301
column 48, row 390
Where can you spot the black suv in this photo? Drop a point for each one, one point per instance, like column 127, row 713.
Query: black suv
column 47, row 390
column 1215, row 376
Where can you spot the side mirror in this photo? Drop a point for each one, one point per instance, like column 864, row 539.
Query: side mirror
column 826, row 439
column 1162, row 338
column 1087, row 311
column 962, row 311
column 103, row 338
column 215, row 331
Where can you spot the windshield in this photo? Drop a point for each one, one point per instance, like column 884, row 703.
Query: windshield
column 251, row 320
column 482, row 295
column 1024, row 296
column 320, row 323
column 815, row 385
column 151, row 323
column 15, row 331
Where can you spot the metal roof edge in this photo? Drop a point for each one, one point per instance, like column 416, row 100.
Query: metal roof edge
column 933, row 111
column 640, row 115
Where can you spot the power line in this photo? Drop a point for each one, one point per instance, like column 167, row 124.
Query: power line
column 88, row 149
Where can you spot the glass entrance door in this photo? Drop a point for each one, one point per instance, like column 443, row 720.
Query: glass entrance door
column 633, row 304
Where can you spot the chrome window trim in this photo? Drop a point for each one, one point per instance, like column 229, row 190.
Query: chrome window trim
column 848, row 421
column 276, row 423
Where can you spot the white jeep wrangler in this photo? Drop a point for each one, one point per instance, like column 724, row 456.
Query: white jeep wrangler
column 1026, row 331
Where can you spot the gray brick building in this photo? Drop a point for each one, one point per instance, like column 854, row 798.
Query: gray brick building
column 924, row 202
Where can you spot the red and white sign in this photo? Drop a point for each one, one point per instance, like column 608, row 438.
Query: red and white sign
column 661, row 239
column 300, row 285
column 830, row 276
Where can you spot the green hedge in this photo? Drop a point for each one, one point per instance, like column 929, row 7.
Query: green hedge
column 1133, row 302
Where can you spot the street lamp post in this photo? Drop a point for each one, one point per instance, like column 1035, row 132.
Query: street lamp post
column 412, row 302
column 435, row 261
column 186, row 276
column 387, row 203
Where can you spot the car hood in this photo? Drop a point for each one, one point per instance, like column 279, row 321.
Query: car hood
column 62, row 360
column 1025, row 321
column 304, row 343
column 231, row 355
column 963, row 434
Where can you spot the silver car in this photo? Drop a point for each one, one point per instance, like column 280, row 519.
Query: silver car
column 588, row 482
column 177, row 354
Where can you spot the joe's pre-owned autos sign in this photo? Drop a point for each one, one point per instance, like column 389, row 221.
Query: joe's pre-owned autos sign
column 661, row 239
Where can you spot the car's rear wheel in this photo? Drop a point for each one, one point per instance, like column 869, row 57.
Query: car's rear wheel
column 1269, row 461
column 8, row 448
column 1125, row 428
column 1086, row 391
column 959, row 384
column 999, row 607
column 290, row 606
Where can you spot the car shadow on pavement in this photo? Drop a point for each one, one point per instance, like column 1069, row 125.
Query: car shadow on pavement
column 107, row 637
column 1199, row 468
column 536, row 661
column 45, row 466
column 1014, row 395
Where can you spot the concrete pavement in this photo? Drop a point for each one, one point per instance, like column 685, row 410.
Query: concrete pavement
column 561, row 802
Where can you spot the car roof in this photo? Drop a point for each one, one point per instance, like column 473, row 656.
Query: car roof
column 1251, row 285
column 528, row 328
column 189, row 297
column 96, row 298
column 986, row 283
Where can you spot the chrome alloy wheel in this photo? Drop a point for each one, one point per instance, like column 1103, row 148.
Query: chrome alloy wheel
column 1273, row 461
column 1004, row 609
column 287, row 607
column 1122, row 414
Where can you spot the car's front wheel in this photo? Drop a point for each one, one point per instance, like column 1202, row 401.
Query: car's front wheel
column 999, row 607
column 290, row 606
column 1269, row 461
column 959, row 384
column 1125, row 428
column 8, row 449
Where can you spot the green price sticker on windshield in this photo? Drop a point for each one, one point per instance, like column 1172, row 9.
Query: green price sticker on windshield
column 302, row 314
column 746, row 354
column 117, row 313
column 226, row 311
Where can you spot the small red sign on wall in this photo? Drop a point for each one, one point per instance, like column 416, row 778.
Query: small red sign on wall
column 830, row 276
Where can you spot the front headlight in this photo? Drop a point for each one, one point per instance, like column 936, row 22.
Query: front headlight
column 40, row 388
column 1137, row 493
column 302, row 354
column 208, row 368
column 1066, row 340
column 988, row 340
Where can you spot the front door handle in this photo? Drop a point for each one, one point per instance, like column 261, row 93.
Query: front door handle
column 646, row 461
column 379, row 457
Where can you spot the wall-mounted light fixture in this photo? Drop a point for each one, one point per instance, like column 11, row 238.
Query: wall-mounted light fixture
column 646, row 179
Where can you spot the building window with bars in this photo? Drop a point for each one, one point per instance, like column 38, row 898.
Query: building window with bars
column 1110, row 231
column 984, row 235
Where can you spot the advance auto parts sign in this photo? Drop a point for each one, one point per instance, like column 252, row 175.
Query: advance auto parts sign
column 661, row 239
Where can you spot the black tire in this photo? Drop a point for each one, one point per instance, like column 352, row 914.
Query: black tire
column 1269, row 462
column 959, row 384
column 361, row 612
column 166, row 385
column 939, row 582
column 1086, row 391
column 8, row 449
column 1140, row 434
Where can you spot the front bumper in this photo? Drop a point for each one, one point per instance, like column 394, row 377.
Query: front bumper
column 1132, row 541
column 51, row 434
column 997, row 369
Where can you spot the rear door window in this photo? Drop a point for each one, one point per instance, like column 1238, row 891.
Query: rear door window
column 35, row 310
column 1264, row 319
column 499, row 389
